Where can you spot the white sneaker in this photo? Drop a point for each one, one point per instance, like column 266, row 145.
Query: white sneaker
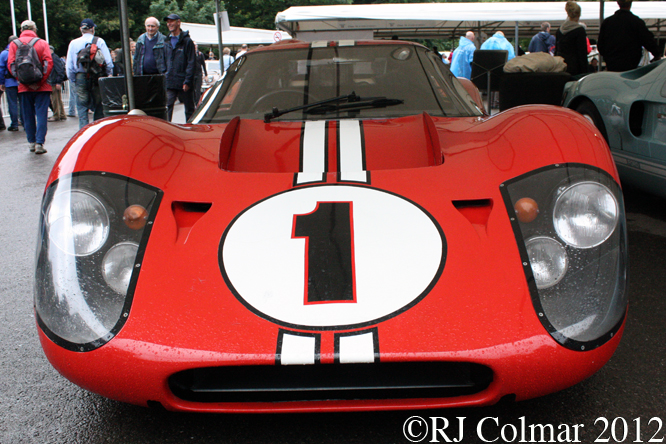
column 39, row 149
column 31, row 146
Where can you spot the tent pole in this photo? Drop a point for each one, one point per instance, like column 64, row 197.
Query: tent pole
column 46, row 22
column 127, row 56
column 11, row 6
column 218, row 25
column 516, row 42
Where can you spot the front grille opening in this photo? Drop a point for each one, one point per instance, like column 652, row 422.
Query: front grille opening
column 399, row 380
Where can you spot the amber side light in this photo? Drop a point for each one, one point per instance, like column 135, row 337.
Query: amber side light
column 526, row 210
column 135, row 217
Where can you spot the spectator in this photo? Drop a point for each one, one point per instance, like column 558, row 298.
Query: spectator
column 543, row 41
column 211, row 55
column 622, row 37
column 56, row 79
column 71, row 112
column 150, row 55
column 227, row 58
column 87, row 88
column 498, row 41
column 35, row 97
column 180, row 67
column 461, row 61
column 118, row 63
column 199, row 70
column 9, row 85
column 571, row 41
column 242, row 51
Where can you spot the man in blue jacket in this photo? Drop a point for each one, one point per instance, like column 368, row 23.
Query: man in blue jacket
column 461, row 63
column 181, row 62
column 150, row 55
column 9, row 85
column 543, row 41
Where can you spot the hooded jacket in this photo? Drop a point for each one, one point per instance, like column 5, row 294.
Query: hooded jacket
column 180, row 62
column 498, row 41
column 541, row 42
column 461, row 63
column 44, row 54
column 571, row 45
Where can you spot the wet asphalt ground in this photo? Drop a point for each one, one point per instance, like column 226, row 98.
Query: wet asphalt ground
column 37, row 405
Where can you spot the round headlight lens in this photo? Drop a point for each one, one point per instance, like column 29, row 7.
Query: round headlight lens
column 118, row 265
column 548, row 259
column 585, row 215
column 78, row 222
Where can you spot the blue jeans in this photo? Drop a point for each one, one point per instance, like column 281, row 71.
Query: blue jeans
column 35, row 107
column 72, row 99
column 13, row 105
column 87, row 97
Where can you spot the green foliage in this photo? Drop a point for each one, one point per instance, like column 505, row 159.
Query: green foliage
column 261, row 13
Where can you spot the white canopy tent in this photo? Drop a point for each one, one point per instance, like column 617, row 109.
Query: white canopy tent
column 447, row 20
column 206, row 35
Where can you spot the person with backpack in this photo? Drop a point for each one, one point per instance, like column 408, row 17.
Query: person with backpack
column 56, row 79
column 88, row 59
column 9, row 85
column 30, row 63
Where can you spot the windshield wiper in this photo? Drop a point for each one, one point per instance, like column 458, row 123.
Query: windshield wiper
column 370, row 102
column 277, row 112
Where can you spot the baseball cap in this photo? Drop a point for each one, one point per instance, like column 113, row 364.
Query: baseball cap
column 172, row 17
column 87, row 24
column 28, row 24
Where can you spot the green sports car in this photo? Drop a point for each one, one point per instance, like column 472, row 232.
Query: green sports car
column 629, row 109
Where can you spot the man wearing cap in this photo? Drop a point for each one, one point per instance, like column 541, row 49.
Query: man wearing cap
column 181, row 62
column 87, row 89
column 150, row 56
column 622, row 37
column 36, row 97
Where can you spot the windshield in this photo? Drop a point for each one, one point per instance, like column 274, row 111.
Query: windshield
column 405, row 76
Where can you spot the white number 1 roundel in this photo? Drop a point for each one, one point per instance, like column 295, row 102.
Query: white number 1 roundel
column 332, row 256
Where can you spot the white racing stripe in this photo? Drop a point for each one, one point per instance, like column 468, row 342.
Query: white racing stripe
column 297, row 349
column 357, row 348
column 351, row 153
column 313, row 153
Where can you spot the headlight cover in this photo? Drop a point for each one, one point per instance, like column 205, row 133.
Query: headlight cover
column 88, row 257
column 574, row 252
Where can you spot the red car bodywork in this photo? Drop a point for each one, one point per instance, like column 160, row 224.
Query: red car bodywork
column 478, row 310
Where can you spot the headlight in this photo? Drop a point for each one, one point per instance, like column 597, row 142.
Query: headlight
column 585, row 215
column 570, row 230
column 77, row 223
column 94, row 229
column 118, row 265
column 548, row 260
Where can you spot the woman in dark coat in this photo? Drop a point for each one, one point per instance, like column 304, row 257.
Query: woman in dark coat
column 571, row 41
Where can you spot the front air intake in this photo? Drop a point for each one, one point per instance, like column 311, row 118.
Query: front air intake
column 277, row 383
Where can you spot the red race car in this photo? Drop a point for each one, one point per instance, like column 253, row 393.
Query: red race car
column 338, row 227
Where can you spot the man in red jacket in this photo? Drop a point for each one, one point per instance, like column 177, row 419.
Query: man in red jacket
column 35, row 97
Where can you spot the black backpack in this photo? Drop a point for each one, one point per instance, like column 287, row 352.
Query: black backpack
column 58, row 74
column 27, row 67
column 92, row 60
